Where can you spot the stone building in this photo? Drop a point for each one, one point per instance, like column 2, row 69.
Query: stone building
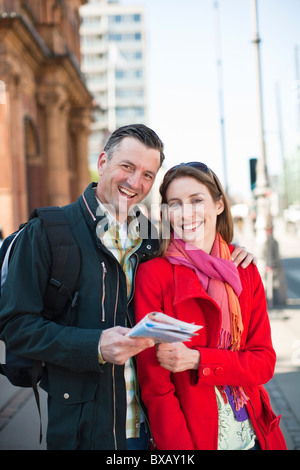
column 45, row 108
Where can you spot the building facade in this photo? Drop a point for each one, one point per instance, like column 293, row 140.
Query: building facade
column 113, row 47
column 45, row 108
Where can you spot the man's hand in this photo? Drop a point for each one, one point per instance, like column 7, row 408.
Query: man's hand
column 240, row 255
column 176, row 357
column 116, row 347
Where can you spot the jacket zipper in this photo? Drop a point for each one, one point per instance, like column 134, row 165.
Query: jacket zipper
column 113, row 366
column 104, row 271
column 133, row 286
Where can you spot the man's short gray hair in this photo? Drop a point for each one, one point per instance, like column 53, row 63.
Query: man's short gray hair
column 137, row 131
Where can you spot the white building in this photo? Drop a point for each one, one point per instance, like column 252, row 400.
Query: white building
column 113, row 48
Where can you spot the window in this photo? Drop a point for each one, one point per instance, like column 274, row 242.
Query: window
column 124, row 37
column 130, row 113
column 135, row 18
column 128, row 74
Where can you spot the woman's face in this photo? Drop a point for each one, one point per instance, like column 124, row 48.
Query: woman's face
column 193, row 212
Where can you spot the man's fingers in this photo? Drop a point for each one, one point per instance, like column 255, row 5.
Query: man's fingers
column 117, row 348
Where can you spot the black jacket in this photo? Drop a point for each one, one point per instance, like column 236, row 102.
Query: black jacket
column 86, row 401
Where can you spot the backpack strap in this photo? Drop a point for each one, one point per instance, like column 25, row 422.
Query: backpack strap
column 65, row 268
column 66, row 262
column 5, row 254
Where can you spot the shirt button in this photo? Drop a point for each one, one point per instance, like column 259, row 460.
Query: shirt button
column 66, row 396
column 219, row 371
column 206, row 371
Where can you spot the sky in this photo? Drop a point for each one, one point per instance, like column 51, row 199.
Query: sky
column 183, row 85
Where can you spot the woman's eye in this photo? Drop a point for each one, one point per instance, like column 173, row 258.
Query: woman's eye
column 174, row 205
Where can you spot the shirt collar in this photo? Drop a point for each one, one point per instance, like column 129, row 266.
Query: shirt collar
column 129, row 225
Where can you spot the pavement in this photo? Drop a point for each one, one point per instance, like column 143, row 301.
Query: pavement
column 19, row 418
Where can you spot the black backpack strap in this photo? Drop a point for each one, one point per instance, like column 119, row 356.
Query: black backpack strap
column 37, row 371
column 66, row 262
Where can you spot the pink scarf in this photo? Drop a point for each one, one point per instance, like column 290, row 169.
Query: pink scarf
column 205, row 266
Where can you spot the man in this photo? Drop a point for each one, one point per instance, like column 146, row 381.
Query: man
column 93, row 399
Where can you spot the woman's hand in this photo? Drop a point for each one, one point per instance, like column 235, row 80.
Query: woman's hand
column 176, row 357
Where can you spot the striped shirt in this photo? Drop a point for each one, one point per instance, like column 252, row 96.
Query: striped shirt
column 122, row 241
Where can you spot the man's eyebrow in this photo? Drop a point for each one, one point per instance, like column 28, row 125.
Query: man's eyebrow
column 129, row 162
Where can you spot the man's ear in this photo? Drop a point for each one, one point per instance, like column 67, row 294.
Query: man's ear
column 102, row 160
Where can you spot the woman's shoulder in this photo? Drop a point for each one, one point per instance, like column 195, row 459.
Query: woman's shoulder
column 158, row 261
column 155, row 265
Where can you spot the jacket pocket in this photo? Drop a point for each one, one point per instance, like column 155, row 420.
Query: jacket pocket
column 270, row 420
column 69, row 388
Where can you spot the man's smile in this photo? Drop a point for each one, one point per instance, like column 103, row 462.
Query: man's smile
column 126, row 192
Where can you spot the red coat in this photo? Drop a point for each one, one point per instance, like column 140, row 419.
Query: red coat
column 182, row 406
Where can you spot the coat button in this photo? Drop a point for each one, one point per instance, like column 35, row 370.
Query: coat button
column 66, row 396
column 149, row 247
column 219, row 371
column 206, row 371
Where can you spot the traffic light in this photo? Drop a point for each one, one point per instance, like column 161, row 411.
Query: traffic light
column 253, row 162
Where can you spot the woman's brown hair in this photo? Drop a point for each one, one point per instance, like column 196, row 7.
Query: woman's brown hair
column 206, row 176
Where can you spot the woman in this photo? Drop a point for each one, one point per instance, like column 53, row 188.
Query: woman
column 207, row 393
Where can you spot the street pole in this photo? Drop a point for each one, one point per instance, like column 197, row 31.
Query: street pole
column 284, row 199
column 267, row 248
column 220, row 92
column 297, row 91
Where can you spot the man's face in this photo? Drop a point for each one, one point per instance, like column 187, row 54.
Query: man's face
column 126, row 179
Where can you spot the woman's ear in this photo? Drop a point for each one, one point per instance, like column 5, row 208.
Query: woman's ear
column 220, row 205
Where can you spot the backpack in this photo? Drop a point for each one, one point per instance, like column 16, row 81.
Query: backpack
column 61, row 291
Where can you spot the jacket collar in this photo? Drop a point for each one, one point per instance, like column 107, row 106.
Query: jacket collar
column 90, row 207
column 89, row 204
column 187, row 285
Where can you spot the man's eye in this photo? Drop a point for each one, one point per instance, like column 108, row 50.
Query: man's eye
column 126, row 167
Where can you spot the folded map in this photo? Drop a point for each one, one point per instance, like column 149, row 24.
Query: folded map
column 164, row 329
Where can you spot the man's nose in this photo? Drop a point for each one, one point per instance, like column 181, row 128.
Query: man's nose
column 134, row 180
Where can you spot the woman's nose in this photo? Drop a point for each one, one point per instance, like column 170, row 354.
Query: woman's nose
column 188, row 210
